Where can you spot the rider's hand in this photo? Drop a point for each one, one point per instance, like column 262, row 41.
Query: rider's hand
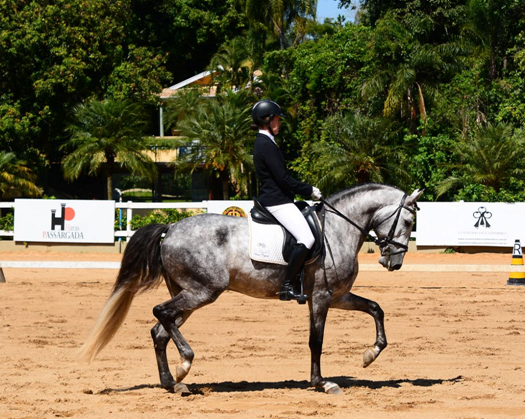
column 316, row 194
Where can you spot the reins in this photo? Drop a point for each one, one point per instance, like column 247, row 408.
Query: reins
column 344, row 217
column 382, row 242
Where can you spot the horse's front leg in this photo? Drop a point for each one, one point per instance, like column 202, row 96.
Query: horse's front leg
column 319, row 305
column 354, row 302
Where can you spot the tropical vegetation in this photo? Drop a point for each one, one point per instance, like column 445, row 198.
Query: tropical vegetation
column 417, row 94
column 104, row 134
column 15, row 177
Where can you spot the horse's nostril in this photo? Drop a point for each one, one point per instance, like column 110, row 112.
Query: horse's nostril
column 396, row 267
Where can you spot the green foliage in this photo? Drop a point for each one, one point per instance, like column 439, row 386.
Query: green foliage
column 426, row 160
column 16, row 179
column 357, row 149
column 490, row 163
column 324, row 77
column 437, row 70
column 186, row 32
column 164, row 216
column 233, row 65
column 278, row 17
column 491, row 28
column 138, row 77
column 7, row 222
column 409, row 64
column 58, row 53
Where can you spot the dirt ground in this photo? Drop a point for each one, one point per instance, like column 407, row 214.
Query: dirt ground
column 456, row 342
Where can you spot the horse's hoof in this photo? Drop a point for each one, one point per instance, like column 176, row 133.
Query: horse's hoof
column 368, row 357
column 182, row 370
column 332, row 388
column 181, row 388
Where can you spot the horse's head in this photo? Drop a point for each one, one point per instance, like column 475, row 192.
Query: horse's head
column 393, row 225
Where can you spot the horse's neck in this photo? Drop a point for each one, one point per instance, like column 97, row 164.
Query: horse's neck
column 361, row 207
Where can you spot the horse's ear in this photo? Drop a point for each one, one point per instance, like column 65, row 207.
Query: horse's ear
column 414, row 197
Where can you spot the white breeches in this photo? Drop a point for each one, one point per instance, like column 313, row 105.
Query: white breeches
column 292, row 219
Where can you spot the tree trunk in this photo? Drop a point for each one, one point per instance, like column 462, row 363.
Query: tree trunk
column 110, row 185
column 110, row 162
column 422, row 108
column 224, row 180
column 411, row 110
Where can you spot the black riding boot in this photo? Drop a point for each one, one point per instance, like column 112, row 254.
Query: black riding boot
column 294, row 267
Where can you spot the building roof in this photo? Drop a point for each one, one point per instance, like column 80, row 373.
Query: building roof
column 201, row 79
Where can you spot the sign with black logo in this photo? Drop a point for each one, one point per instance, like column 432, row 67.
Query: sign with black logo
column 67, row 221
column 470, row 224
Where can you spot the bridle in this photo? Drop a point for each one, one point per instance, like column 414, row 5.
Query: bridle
column 382, row 242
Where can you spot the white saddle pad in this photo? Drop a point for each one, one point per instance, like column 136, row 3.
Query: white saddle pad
column 266, row 242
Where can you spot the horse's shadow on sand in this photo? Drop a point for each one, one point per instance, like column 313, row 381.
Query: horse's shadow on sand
column 245, row 386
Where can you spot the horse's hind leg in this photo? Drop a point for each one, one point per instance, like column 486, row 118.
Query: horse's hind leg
column 161, row 338
column 354, row 302
column 160, row 342
column 171, row 315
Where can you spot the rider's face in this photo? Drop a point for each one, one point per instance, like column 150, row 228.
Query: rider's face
column 275, row 124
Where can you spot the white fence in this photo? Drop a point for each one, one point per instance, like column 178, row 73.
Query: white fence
column 439, row 223
column 128, row 207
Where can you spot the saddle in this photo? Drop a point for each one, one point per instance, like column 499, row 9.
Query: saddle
column 261, row 215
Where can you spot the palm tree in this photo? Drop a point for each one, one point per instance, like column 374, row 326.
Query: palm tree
column 218, row 139
column 185, row 102
column 278, row 15
column 410, row 71
column 15, row 177
column 490, row 28
column 492, row 156
column 105, row 134
column 233, row 64
column 357, row 149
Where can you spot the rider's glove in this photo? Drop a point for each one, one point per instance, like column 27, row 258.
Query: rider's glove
column 316, row 194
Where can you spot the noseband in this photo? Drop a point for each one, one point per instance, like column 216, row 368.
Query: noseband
column 382, row 242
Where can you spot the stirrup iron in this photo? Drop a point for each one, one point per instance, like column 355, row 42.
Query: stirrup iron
column 287, row 292
column 302, row 296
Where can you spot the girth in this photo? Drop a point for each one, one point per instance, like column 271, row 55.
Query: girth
column 261, row 215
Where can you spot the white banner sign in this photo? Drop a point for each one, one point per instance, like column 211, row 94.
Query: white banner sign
column 64, row 221
column 470, row 224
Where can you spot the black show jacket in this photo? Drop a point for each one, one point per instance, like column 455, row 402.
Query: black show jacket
column 277, row 187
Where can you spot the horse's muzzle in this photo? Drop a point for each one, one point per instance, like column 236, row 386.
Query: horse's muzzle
column 396, row 267
column 391, row 262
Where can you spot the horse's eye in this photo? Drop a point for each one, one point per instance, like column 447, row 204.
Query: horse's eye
column 408, row 223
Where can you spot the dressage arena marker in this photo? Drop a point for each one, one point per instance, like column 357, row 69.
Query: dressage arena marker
column 516, row 268
column 517, row 277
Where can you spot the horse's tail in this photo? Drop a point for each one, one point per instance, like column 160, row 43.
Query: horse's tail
column 140, row 270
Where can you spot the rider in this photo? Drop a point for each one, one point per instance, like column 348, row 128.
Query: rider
column 278, row 188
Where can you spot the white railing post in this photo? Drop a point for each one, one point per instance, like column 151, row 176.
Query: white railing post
column 129, row 216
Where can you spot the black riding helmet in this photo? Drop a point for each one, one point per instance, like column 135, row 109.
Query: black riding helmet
column 263, row 109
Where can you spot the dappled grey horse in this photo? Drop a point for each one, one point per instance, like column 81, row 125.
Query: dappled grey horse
column 202, row 256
